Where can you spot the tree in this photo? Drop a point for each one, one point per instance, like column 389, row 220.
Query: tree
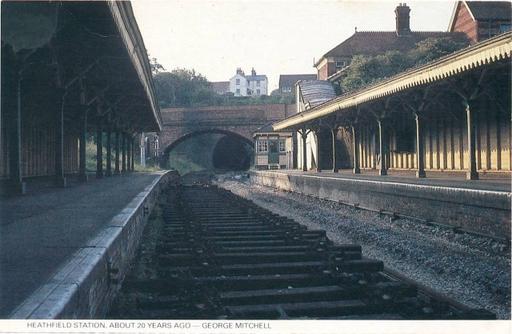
column 365, row 70
column 182, row 88
column 156, row 67
column 432, row 48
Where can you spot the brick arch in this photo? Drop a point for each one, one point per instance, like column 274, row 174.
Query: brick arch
column 192, row 134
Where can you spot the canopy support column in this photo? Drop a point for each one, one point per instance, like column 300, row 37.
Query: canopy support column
column 420, row 150
column 355, row 149
column 60, row 179
column 116, row 161
column 318, row 168
column 82, row 171
column 133, row 155
column 17, row 186
column 304, row 135
column 382, row 148
column 334, row 132
column 123, row 147
column 472, row 173
column 109, row 151
column 99, row 150
column 128, row 153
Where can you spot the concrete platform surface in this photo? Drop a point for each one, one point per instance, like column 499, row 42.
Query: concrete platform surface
column 40, row 231
column 491, row 182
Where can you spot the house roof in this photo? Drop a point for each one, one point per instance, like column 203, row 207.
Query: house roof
column 220, row 86
column 256, row 77
column 288, row 80
column 315, row 92
column 484, row 10
column 267, row 129
column 490, row 10
column 378, row 42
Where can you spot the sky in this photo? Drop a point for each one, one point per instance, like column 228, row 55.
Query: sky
column 214, row 37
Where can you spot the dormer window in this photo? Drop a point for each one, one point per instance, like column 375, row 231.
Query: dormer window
column 340, row 64
column 237, row 81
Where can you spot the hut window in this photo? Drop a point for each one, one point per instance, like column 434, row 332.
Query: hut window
column 282, row 145
column 262, row 146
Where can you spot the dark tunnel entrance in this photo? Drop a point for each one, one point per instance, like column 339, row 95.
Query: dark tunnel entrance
column 230, row 153
column 212, row 150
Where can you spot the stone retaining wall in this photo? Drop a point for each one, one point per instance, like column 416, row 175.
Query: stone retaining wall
column 85, row 286
column 480, row 211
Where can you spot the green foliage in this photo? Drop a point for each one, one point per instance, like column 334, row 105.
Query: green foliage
column 186, row 88
column 365, row 70
column 182, row 88
column 433, row 48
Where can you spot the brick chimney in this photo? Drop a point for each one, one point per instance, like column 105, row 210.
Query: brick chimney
column 403, row 27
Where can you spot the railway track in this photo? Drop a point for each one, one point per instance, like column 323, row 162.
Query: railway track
column 220, row 256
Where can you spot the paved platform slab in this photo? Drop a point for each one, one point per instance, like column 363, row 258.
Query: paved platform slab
column 493, row 182
column 40, row 231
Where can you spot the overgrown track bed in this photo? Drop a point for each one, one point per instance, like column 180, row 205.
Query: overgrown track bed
column 219, row 256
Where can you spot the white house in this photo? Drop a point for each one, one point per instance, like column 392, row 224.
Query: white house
column 248, row 85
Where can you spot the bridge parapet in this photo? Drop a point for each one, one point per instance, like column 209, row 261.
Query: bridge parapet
column 240, row 120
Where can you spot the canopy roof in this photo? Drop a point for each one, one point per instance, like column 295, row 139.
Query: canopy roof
column 478, row 55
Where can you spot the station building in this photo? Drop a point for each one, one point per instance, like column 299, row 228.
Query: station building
column 273, row 149
column 449, row 115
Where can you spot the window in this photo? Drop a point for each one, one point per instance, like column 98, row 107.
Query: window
column 257, row 92
column 282, row 145
column 340, row 64
column 262, row 146
column 238, row 91
column 257, row 83
column 237, row 81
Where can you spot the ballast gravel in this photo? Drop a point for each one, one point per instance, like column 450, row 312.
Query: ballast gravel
column 473, row 270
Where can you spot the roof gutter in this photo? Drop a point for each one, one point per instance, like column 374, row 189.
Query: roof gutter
column 125, row 21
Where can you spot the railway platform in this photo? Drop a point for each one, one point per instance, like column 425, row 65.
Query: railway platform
column 479, row 206
column 39, row 232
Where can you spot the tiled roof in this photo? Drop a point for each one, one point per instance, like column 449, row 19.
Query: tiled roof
column 377, row 42
column 256, row 77
column 315, row 92
column 288, row 80
column 490, row 10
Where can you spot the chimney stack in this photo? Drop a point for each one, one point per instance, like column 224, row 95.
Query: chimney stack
column 253, row 72
column 403, row 27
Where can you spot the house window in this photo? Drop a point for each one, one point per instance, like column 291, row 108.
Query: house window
column 340, row 64
column 282, row 145
column 237, row 81
column 257, row 83
column 257, row 92
column 262, row 146
column 249, row 91
column 238, row 91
